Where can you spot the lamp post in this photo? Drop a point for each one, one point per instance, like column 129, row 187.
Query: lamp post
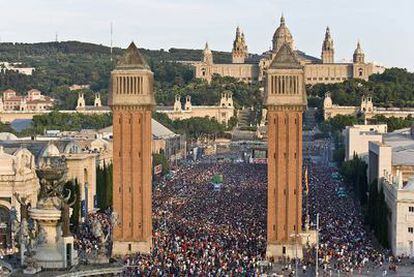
column 296, row 252
column 317, row 246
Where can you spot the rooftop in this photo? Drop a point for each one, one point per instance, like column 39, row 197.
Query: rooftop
column 402, row 146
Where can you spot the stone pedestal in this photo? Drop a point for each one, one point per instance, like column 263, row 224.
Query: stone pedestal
column 288, row 250
column 125, row 247
column 293, row 248
column 69, row 252
column 53, row 251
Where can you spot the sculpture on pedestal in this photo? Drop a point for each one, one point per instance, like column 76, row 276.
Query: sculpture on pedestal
column 65, row 208
column 52, row 216
column 101, row 254
column 27, row 238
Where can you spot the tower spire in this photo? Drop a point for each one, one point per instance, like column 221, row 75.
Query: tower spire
column 111, row 41
column 328, row 50
column 239, row 51
column 282, row 20
column 207, row 55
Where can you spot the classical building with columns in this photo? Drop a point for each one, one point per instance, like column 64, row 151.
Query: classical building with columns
column 132, row 102
column 81, row 164
column 365, row 109
column 252, row 69
column 222, row 112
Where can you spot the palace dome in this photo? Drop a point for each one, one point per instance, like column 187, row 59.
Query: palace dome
column 281, row 36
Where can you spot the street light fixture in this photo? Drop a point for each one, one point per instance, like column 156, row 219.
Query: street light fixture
column 296, row 235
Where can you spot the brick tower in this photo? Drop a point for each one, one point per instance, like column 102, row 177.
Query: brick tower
column 132, row 101
column 285, row 98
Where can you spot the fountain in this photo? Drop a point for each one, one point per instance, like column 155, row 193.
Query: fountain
column 55, row 246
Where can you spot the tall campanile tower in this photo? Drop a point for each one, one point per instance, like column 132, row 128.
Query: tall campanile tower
column 132, row 101
column 285, row 98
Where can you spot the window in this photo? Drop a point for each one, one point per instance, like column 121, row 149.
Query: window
column 411, row 209
column 410, row 230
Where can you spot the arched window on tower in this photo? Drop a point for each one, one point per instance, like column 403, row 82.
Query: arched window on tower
column 360, row 72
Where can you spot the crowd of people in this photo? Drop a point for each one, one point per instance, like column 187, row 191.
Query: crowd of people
column 86, row 243
column 199, row 230
column 345, row 243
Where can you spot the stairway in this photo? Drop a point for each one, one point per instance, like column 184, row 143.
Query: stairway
column 244, row 117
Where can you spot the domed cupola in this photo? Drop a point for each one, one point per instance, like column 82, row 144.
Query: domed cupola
column 359, row 55
column 282, row 36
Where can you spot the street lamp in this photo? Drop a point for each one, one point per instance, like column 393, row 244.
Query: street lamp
column 296, row 235
column 317, row 246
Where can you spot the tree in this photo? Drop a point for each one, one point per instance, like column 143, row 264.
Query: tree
column 393, row 88
column 394, row 123
column 355, row 174
column 104, row 185
column 159, row 158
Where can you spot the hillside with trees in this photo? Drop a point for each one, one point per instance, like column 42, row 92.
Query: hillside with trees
column 393, row 88
column 62, row 64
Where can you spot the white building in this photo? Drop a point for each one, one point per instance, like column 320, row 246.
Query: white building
column 16, row 67
column 399, row 197
column 394, row 153
column 357, row 138
column 221, row 112
column 81, row 165
column 391, row 162
column 17, row 177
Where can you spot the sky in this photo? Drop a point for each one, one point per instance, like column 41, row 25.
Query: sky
column 384, row 27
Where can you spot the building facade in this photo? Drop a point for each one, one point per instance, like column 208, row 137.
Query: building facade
column 34, row 101
column 285, row 99
column 324, row 70
column 81, row 165
column 82, row 107
column 16, row 67
column 366, row 109
column 132, row 102
column 222, row 112
column 358, row 137
column 399, row 196
column 18, row 180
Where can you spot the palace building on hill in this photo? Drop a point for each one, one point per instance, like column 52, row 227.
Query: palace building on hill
column 324, row 70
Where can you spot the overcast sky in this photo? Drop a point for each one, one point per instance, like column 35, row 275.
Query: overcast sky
column 385, row 27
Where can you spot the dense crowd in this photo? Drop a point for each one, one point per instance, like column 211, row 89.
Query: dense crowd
column 202, row 230
column 85, row 241
column 345, row 243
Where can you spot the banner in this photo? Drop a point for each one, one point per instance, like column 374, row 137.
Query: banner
column 157, row 169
